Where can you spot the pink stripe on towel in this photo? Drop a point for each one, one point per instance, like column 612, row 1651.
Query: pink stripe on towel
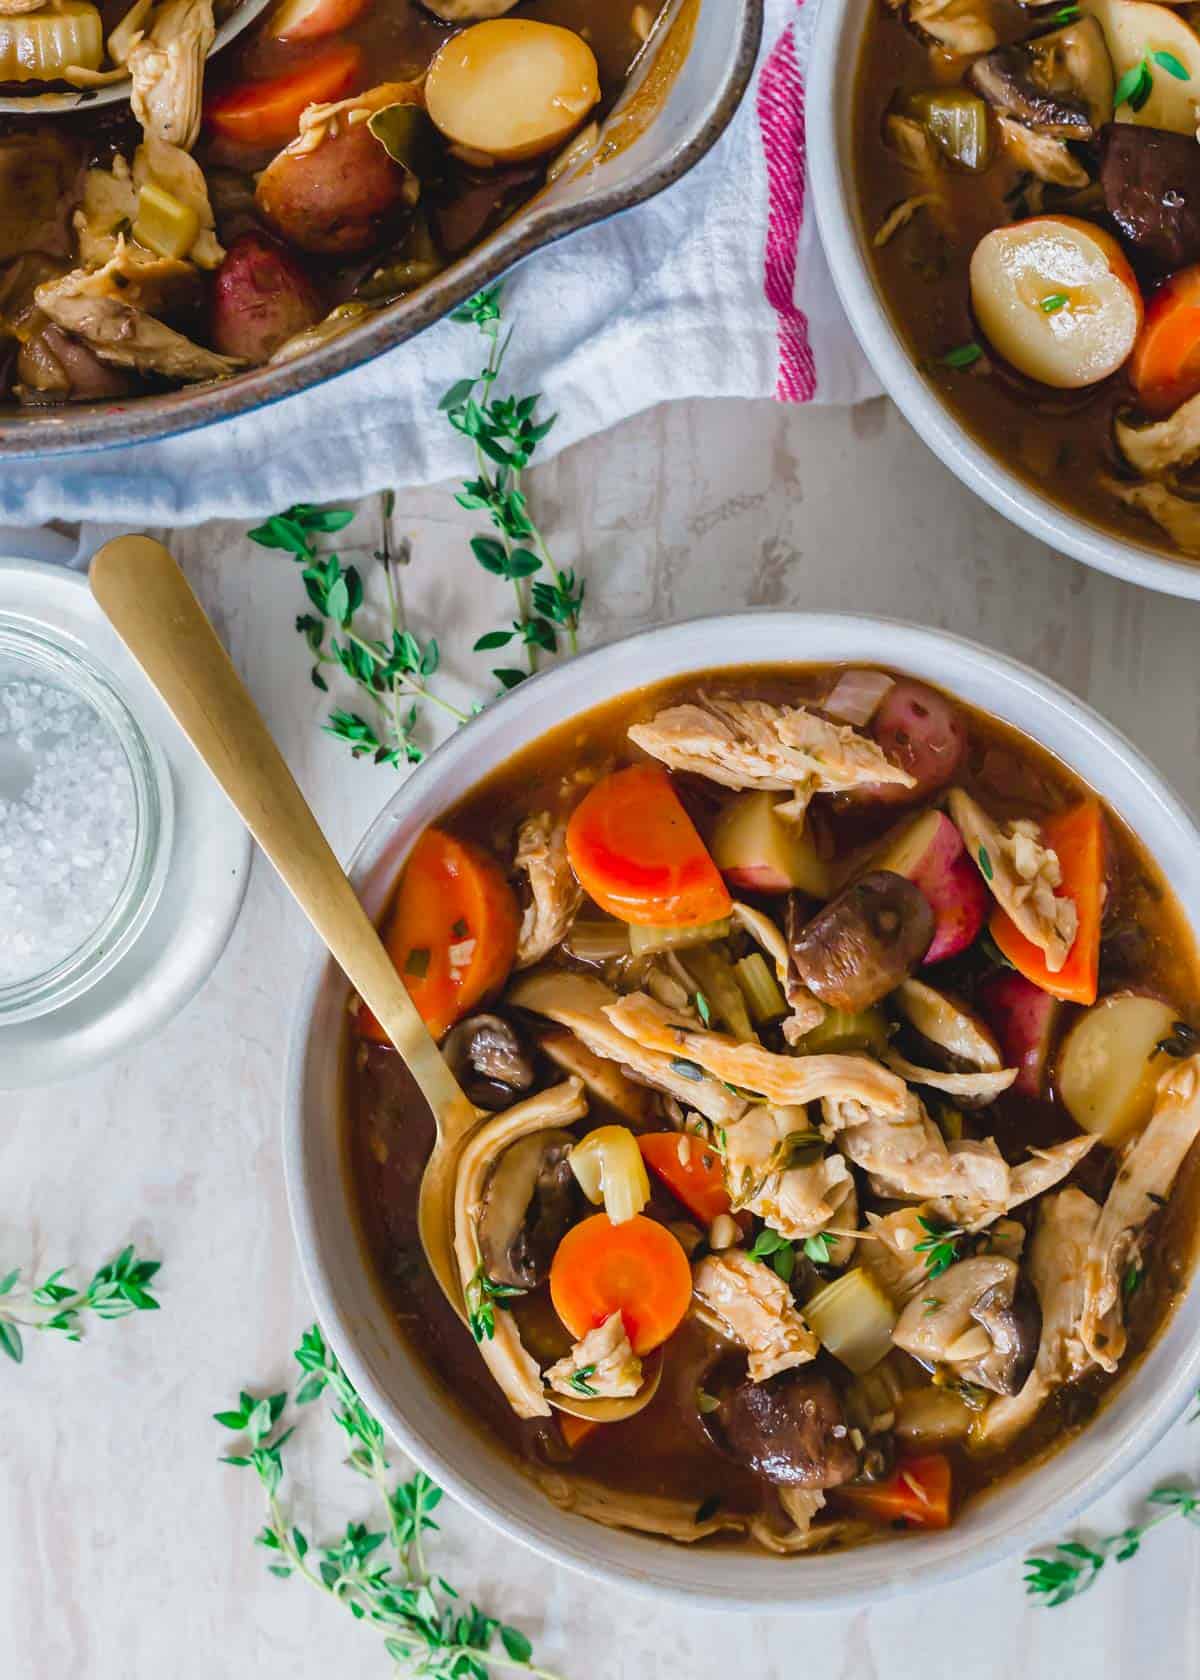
column 781, row 122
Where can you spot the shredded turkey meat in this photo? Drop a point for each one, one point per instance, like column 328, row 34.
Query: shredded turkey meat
column 979, row 1087
column 555, row 895
column 1023, row 875
column 1167, row 445
column 1143, row 1182
column 751, row 744
column 795, row 1200
column 581, row 1003
column 166, row 70
column 780, row 1079
column 602, row 1366
column 1178, row 517
column 109, row 309
column 963, row 27
column 1041, row 155
column 754, row 1307
column 1057, row 1264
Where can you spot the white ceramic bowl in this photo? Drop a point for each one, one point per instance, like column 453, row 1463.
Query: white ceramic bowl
column 831, row 87
column 395, row 1384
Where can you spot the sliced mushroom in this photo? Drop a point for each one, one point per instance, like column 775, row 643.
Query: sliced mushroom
column 980, row 1320
column 528, row 1203
column 489, row 1060
column 948, row 1024
column 863, row 944
column 1041, row 155
column 1059, row 84
column 789, row 1430
column 604, row 1080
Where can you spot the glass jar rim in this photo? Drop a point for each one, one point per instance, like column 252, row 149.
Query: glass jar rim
column 62, row 659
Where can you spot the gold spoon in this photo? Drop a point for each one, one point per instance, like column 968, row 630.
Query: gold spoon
column 151, row 606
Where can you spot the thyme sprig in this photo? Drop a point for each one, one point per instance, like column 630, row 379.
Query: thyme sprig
column 391, row 671
column 115, row 1290
column 1071, row 1567
column 481, row 1294
column 505, row 432
column 379, row 1575
column 939, row 1247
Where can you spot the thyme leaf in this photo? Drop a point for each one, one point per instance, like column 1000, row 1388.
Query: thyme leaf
column 115, row 1290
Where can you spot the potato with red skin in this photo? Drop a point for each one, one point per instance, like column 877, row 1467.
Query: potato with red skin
column 338, row 199
column 921, row 732
column 1025, row 1020
column 930, row 853
column 261, row 298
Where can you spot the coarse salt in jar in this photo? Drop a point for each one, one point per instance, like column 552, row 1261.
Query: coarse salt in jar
column 85, row 822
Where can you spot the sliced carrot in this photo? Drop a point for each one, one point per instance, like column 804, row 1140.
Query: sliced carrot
column 267, row 113
column 1165, row 365
column 697, row 1181
column 917, row 1493
column 636, row 852
column 452, row 932
column 575, row 1430
column 636, row 1268
column 1077, row 836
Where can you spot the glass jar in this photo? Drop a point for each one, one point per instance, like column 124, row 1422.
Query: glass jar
column 29, row 655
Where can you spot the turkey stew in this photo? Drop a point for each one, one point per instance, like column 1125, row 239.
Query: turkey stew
column 835, row 1054
column 244, row 210
column 1028, row 179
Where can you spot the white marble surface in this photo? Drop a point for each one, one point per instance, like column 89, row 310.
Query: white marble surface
column 125, row 1548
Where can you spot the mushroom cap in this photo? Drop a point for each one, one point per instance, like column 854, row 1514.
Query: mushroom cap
column 985, row 1294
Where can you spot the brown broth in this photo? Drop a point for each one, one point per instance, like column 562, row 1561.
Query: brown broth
column 388, row 1131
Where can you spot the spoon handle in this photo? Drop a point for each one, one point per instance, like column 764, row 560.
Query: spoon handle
column 151, row 606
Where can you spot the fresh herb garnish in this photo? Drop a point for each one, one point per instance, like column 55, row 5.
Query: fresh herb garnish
column 985, row 864
column 1052, row 304
column 505, row 432
column 963, row 355
column 931, row 1303
column 703, row 1010
column 393, row 673
column 706, row 1402
column 1131, row 1282
column 689, row 1070
column 480, row 1294
column 1135, row 86
column 820, row 1248
column 580, row 1383
column 769, row 1245
column 379, row 1575
column 1071, row 1567
column 1064, row 14
column 940, row 1246
column 115, row 1291
column 1168, row 62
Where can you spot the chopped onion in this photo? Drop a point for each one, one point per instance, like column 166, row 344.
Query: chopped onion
column 857, row 696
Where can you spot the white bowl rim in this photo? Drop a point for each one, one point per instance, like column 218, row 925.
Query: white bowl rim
column 930, row 1559
column 930, row 418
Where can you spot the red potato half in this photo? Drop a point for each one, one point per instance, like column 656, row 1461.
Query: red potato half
column 261, row 298
column 1056, row 298
column 757, row 851
column 930, row 853
column 1025, row 1021
column 1110, row 1064
column 309, row 20
column 923, row 733
column 337, row 199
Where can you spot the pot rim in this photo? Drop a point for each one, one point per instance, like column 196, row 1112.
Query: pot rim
column 1143, row 1407
column 83, row 427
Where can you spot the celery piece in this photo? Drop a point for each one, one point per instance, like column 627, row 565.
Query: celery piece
column 854, row 1319
column 598, row 942
column 957, row 121
column 760, row 988
column 609, row 1168
column 840, row 1033
column 163, row 224
column 716, row 977
column 645, row 941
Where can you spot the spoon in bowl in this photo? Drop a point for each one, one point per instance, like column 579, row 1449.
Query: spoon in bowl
column 151, row 606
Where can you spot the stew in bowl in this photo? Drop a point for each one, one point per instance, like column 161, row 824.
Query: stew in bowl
column 835, row 1052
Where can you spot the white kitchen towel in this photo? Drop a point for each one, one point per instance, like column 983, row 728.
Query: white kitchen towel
column 718, row 287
